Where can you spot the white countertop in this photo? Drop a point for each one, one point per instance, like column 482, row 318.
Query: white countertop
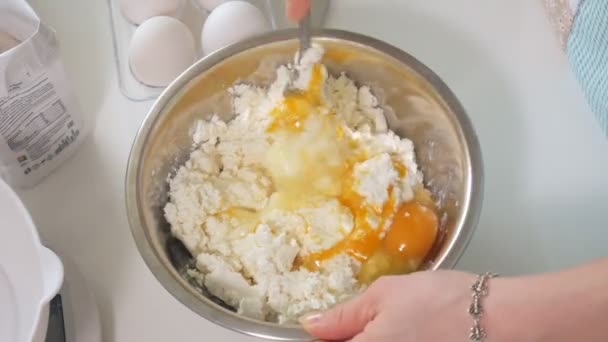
column 546, row 160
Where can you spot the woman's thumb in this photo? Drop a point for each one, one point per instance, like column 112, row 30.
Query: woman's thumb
column 343, row 321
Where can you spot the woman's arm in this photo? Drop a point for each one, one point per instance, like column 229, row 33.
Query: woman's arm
column 565, row 306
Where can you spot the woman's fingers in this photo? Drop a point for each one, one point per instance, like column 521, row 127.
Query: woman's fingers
column 344, row 321
column 296, row 9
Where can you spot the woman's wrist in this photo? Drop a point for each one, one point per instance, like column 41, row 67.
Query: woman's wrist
column 517, row 309
column 565, row 306
column 502, row 321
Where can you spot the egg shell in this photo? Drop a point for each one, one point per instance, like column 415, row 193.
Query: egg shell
column 7, row 42
column 210, row 5
column 138, row 11
column 231, row 22
column 161, row 49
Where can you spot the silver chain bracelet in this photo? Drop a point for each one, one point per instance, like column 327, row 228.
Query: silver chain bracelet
column 480, row 291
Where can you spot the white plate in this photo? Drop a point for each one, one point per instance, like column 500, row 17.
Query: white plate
column 30, row 274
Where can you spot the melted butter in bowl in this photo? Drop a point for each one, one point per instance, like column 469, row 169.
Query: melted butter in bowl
column 312, row 158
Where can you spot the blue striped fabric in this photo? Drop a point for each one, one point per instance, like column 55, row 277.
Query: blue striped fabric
column 588, row 53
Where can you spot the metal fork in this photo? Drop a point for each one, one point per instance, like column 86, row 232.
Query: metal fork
column 304, row 27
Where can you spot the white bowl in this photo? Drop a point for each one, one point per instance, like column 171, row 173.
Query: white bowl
column 30, row 274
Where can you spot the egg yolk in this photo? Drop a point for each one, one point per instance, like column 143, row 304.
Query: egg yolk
column 408, row 241
column 364, row 240
column 297, row 106
column 413, row 232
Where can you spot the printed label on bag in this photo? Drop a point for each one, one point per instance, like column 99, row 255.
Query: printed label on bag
column 35, row 124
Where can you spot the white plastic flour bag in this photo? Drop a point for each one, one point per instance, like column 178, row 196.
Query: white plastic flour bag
column 41, row 123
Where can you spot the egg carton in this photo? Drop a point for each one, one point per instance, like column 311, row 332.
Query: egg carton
column 194, row 17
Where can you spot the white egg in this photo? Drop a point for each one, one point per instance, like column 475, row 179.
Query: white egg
column 138, row 11
column 232, row 22
column 7, row 42
column 210, row 5
column 161, row 49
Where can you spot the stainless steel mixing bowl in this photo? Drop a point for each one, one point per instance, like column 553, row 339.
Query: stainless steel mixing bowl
column 418, row 106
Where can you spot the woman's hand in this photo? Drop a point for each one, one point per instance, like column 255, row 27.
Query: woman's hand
column 566, row 306
column 424, row 306
column 296, row 9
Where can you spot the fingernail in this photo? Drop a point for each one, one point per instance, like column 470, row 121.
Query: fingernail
column 310, row 318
